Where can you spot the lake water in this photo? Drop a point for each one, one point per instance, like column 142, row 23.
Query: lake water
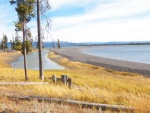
column 134, row 53
column 33, row 62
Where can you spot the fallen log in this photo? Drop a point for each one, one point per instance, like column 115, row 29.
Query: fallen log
column 98, row 106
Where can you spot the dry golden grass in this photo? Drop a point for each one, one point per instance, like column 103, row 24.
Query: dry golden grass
column 90, row 83
column 7, row 58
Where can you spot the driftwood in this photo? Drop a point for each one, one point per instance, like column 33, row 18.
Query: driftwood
column 98, row 106
column 69, row 82
column 54, row 79
column 64, row 79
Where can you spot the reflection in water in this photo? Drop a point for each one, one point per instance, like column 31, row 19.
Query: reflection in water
column 33, row 62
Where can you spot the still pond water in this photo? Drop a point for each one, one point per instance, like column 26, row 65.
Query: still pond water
column 33, row 63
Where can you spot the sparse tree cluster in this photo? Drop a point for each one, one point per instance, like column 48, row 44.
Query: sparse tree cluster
column 16, row 44
column 4, row 41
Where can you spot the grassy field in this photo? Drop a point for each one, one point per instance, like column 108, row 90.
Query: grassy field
column 90, row 83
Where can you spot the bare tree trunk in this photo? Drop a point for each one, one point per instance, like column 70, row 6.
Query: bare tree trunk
column 24, row 52
column 39, row 43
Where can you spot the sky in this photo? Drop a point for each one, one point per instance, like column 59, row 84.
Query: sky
column 87, row 20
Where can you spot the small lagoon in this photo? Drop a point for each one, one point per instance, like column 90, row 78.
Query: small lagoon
column 33, row 62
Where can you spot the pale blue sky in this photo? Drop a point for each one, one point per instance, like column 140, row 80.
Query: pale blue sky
column 88, row 20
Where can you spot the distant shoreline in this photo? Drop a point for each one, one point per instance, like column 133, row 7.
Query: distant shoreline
column 75, row 54
column 119, row 44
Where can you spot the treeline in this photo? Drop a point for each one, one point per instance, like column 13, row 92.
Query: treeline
column 16, row 44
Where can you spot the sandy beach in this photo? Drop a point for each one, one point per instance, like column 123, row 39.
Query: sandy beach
column 76, row 54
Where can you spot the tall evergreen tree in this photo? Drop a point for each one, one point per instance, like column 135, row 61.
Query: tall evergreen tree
column 4, row 43
column 24, row 9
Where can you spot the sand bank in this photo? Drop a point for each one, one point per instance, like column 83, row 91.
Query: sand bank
column 76, row 54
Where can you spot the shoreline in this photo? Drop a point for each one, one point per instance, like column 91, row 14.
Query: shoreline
column 32, row 62
column 76, row 54
column 7, row 58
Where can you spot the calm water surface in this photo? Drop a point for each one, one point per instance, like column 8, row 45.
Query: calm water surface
column 134, row 53
column 33, row 63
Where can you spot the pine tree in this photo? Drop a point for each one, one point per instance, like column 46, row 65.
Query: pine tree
column 4, row 43
column 24, row 9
